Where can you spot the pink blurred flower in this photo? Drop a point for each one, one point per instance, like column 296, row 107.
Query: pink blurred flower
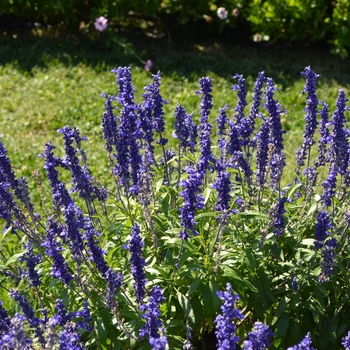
column 148, row 65
column 101, row 23
column 222, row 13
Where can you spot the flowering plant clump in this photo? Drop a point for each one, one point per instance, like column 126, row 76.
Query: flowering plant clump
column 192, row 233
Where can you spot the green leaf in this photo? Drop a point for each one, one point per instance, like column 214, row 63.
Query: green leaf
column 14, row 258
column 250, row 260
column 194, row 285
column 254, row 215
column 184, row 303
column 208, row 301
column 232, row 274
column 282, row 326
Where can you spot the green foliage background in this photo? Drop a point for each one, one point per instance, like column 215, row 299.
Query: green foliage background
column 288, row 20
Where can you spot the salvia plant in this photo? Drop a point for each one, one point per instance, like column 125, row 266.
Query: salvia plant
column 192, row 236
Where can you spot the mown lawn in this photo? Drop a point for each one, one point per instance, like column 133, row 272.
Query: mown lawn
column 49, row 81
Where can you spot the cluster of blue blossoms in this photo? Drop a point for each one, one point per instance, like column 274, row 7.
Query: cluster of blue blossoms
column 131, row 136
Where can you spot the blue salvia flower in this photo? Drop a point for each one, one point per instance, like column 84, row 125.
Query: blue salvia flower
column 311, row 175
column 96, row 252
column 245, row 126
column 82, row 179
column 254, row 109
column 206, row 156
column 187, row 345
column 129, row 131
column 151, row 313
column 322, row 228
column 15, row 337
column 193, row 130
column 328, row 255
column 329, row 186
column 340, row 145
column 28, row 311
column 325, row 138
column 222, row 185
column 74, row 220
column 62, row 317
column 125, row 87
column 158, row 343
column 305, row 344
column 181, row 130
column 277, row 161
column 5, row 320
column 233, row 147
column 157, row 102
column 138, row 263
column 192, row 200
column 277, row 216
column 109, row 124
column 258, row 338
column 225, row 328
column 31, row 262
column 86, row 323
column 295, row 285
column 19, row 186
column 8, row 206
column 262, row 138
column 54, row 250
column 69, row 339
column 346, row 342
column 60, row 194
column 135, row 163
column 114, row 282
column 311, row 114
column 51, row 337
column 222, row 121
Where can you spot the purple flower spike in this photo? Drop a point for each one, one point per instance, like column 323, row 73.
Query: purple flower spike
column 244, row 125
column 60, row 194
column 305, row 344
column 223, row 187
column 53, row 249
column 322, row 229
column 5, row 320
column 328, row 255
column 277, row 216
column 158, row 343
column 224, row 325
column 26, row 308
column 311, row 114
column 31, row 262
column 109, row 124
column 15, row 337
column 339, row 146
column 151, row 314
column 155, row 102
column 325, row 138
column 262, row 153
column 206, row 155
column 82, row 179
column 329, row 186
column 259, row 338
column 254, row 110
column 192, row 200
column 277, row 158
column 138, row 263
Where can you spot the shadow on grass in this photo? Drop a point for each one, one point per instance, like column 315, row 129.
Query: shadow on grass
column 177, row 54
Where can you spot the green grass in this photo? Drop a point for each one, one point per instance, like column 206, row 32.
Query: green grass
column 48, row 82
